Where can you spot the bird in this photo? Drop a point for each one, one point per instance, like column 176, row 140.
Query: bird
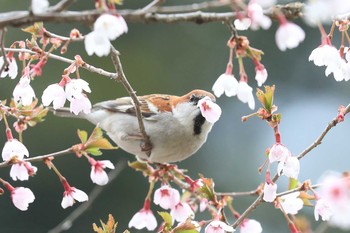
column 174, row 124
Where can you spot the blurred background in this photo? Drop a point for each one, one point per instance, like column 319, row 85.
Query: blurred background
column 175, row 59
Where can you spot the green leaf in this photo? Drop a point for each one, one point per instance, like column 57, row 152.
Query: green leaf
column 83, row 135
column 138, row 165
column 186, row 227
column 167, row 218
column 94, row 151
column 293, row 183
column 101, row 143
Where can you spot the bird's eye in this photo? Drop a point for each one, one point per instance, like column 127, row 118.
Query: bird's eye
column 193, row 98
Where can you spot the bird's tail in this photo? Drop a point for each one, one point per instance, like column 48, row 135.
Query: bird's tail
column 65, row 112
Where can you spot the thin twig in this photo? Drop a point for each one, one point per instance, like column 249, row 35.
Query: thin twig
column 151, row 7
column 318, row 141
column 192, row 7
column 67, row 223
column 2, row 38
column 42, row 157
column 86, row 66
column 147, row 146
column 237, row 194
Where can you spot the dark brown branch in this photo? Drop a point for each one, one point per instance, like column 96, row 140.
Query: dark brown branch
column 21, row 18
column 122, row 78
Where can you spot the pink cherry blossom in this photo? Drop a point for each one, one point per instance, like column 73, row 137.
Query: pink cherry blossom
column 22, row 170
column 11, row 70
column 291, row 203
column 98, row 175
column 181, row 212
column 323, row 209
column 72, row 194
column 12, row 148
column 245, row 94
column 278, row 152
column 98, row 43
column 226, row 83
column 112, row 26
column 251, row 226
column 75, row 87
column 260, row 75
column 166, row 197
column 22, row 197
column 217, row 226
column 290, row 167
column 210, row 110
column 270, row 192
column 258, row 19
column 40, row 6
column 23, row 92
column 143, row 219
column 54, row 93
column 289, row 36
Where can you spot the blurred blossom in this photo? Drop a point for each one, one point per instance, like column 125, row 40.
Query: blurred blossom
column 97, row 43
column 217, row 226
column 291, row 203
column 260, row 75
column 251, row 226
column 258, row 19
column 181, row 212
column 245, row 94
column 290, row 167
column 143, row 219
column 166, row 197
column 242, row 24
column 40, row 6
column 289, row 35
column 270, row 192
column 334, row 195
column 278, row 152
column 226, row 83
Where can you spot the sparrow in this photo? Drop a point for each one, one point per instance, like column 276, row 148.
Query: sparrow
column 175, row 124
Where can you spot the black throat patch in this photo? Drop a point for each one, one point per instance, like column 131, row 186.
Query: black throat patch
column 198, row 123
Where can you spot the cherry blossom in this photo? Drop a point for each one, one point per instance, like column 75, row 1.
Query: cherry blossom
column 54, row 93
column 98, row 175
column 289, row 35
column 166, row 197
column 11, row 70
column 23, row 92
column 72, row 194
column 258, row 19
column 266, row 3
column 217, row 226
column 97, row 43
column 251, row 226
column 181, row 212
column 40, row 6
column 270, row 192
column 22, row 170
column 242, row 24
column 81, row 104
column 291, row 203
column 260, row 75
column 245, row 94
column 226, row 83
column 323, row 209
column 22, row 197
column 278, row 152
column 12, row 148
column 290, row 167
column 111, row 26
column 210, row 110
column 144, row 219
column 75, row 87
column 324, row 55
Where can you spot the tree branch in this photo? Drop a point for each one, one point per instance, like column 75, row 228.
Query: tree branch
column 21, row 18
column 147, row 147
